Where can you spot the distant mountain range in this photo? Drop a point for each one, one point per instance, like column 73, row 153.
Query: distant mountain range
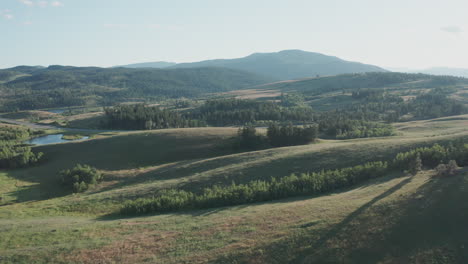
column 460, row 72
column 444, row 71
column 283, row 65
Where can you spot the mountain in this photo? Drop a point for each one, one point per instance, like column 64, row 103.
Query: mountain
column 283, row 65
column 62, row 86
column 288, row 65
column 157, row 64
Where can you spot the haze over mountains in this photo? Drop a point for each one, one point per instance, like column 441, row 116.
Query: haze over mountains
column 443, row 71
column 283, row 65
column 459, row 72
column 157, row 64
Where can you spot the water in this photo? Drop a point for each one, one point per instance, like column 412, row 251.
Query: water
column 50, row 139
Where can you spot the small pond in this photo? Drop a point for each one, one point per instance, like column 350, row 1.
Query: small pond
column 50, row 139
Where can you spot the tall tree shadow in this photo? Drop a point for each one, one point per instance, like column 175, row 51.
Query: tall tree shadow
column 423, row 226
column 431, row 227
column 290, row 249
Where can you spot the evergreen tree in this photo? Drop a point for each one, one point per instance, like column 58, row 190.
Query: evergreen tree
column 415, row 165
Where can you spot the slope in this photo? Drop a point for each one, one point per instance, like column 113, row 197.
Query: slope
column 392, row 220
column 63, row 86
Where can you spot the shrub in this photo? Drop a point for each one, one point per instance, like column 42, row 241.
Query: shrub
column 449, row 169
column 452, row 167
column 80, row 178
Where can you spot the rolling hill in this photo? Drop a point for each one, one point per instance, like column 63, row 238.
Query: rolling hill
column 393, row 219
column 63, row 86
column 287, row 65
column 369, row 80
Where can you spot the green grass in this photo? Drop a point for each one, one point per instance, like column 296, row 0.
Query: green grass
column 72, row 137
column 355, row 225
column 40, row 223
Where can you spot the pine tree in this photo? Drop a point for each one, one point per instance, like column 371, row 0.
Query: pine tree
column 415, row 165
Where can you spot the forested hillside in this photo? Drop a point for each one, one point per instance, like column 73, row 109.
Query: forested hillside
column 24, row 88
column 346, row 82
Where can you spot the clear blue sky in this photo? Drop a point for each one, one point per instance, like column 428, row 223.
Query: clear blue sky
column 396, row 33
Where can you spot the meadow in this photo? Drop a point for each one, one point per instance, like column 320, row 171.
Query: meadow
column 41, row 222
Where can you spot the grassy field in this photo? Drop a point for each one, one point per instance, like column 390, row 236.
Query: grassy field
column 355, row 225
column 41, row 223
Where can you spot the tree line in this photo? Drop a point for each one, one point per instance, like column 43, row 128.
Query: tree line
column 224, row 112
column 140, row 116
column 276, row 136
column 297, row 185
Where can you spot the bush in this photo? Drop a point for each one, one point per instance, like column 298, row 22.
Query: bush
column 444, row 170
column 80, row 178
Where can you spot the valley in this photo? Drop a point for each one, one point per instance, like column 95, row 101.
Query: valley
column 219, row 165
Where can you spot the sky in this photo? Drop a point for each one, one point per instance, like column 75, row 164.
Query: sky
column 412, row 34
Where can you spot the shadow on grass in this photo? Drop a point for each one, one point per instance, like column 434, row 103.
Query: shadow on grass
column 38, row 188
column 209, row 211
column 430, row 229
column 194, row 212
column 428, row 226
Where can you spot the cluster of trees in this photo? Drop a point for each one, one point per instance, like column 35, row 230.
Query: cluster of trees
column 431, row 157
column 276, row 136
column 13, row 133
column 247, row 138
column 255, row 191
column 80, row 178
column 336, row 125
column 392, row 108
column 303, row 184
column 17, row 156
column 368, row 118
column 290, row 135
column 13, row 153
column 140, row 116
column 222, row 112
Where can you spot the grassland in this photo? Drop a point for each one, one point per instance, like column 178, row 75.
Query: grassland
column 40, row 223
